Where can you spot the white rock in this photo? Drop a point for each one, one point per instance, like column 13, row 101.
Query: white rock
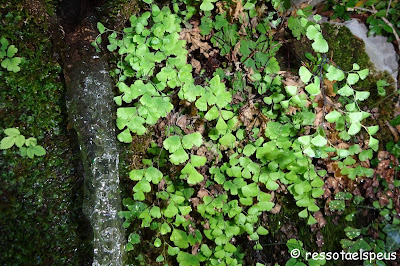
column 381, row 52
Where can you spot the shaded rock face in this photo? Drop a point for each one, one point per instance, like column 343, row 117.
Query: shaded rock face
column 381, row 53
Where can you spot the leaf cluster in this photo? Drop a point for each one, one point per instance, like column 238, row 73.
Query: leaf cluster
column 14, row 137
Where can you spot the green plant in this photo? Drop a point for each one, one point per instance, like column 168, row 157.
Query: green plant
column 7, row 53
column 15, row 137
column 199, row 190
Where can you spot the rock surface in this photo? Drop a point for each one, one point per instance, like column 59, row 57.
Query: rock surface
column 381, row 53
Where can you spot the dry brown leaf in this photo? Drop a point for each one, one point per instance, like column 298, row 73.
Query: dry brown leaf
column 192, row 36
column 319, row 117
column 276, row 209
column 196, row 65
column 182, row 122
column 235, row 52
column 329, row 88
column 202, row 193
column 239, row 11
column 195, row 202
column 195, row 248
column 320, row 219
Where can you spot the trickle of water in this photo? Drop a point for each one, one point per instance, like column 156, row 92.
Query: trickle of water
column 90, row 106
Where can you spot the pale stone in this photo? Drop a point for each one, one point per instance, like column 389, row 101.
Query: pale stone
column 380, row 52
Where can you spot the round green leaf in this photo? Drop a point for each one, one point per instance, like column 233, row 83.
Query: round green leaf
column 319, row 141
column 198, row 161
column 352, row 78
column 305, row 74
column 171, row 210
column 12, row 132
column 7, row 143
column 172, row 143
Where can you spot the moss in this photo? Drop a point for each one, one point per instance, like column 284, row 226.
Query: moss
column 40, row 207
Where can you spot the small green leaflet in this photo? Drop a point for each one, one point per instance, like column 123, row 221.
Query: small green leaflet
column 179, row 156
column 305, row 74
column 335, row 74
column 363, row 73
column 291, row 90
column 319, row 141
column 194, row 177
column 212, row 114
column 345, row 91
column 101, row 27
column 313, row 88
column 171, row 210
column 354, row 128
column 172, row 143
column 198, row 161
column 333, row 116
column 192, row 139
column 362, row 95
column 352, row 79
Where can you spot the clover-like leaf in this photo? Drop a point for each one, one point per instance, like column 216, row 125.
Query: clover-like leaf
column 305, row 74
column 192, row 139
column 250, row 190
column 7, row 142
column 333, row 116
column 195, row 178
column 154, row 175
column 363, row 73
column 354, row 128
column 304, row 140
column 320, row 44
column 227, row 140
column 291, row 90
column 134, row 238
column 313, row 88
column 125, row 136
column 319, row 141
column 271, row 185
column 373, row 143
column 198, row 161
column 373, row 129
column 171, row 210
column 345, row 91
column 212, row 114
column 303, row 213
column 11, row 51
column 206, row 5
column 165, row 228
column 155, row 212
column 172, row 143
column 38, row 150
column 179, row 156
column 362, row 95
column 249, row 149
column 312, row 32
column 31, row 142
column 352, row 78
column 334, row 74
